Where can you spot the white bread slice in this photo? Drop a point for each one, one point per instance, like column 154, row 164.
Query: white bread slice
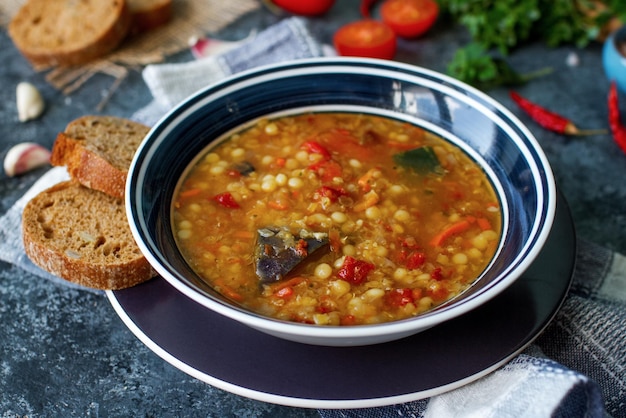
column 83, row 236
column 149, row 14
column 69, row 32
column 98, row 150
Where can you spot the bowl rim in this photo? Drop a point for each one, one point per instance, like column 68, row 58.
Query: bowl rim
column 445, row 84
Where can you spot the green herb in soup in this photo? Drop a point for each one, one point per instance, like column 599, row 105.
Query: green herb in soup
column 337, row 219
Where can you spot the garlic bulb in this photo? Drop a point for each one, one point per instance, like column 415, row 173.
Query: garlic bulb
column 30, row 104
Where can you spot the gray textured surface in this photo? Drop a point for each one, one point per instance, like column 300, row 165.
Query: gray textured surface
column 66, row 353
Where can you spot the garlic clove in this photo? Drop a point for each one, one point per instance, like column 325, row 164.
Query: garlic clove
column 30, row 104
column 24, row 157
column 572, row 60
column 206, row 47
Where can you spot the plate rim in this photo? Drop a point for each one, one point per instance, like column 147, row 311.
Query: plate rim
column 563, row 216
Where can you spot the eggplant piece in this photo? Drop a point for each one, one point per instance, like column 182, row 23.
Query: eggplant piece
column 244, row 168
column 278, row 251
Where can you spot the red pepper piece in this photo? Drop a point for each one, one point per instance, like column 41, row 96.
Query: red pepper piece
column 341, row 141
column 227, row 200
column 617, row 128
column 437, row 274
column 327, row 170
column 399, row 297
column 355, row 271
column 332, row 193
column 548, row 119
column 415, row 260
column 334, row 240
column 314, row 147
column 325, row 305
column 438, row 294
column 347, row 320
column 284, row 292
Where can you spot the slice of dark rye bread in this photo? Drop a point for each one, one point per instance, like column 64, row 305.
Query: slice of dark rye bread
column 83, row 236
column 98, row 150
column 67, row 32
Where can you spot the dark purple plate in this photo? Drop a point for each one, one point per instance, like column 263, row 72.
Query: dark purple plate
column 233, row 357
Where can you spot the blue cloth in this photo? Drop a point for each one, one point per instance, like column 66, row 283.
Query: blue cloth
column 171, row 83
column 527, row 387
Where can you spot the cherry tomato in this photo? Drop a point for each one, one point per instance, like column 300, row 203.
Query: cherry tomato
column 409, row 18
column 366, row 38
column 305, row 7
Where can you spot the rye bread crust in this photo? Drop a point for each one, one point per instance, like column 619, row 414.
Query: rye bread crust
column 83, row 236
column 98, row 150
column 149, row 14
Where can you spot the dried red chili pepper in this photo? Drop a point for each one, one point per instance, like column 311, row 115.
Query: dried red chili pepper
column 615, row 122
column 548, row 119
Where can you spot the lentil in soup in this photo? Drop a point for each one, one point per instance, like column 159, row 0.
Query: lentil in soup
column 337, row 219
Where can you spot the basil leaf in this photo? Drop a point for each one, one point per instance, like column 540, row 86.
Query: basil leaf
column 422, row 160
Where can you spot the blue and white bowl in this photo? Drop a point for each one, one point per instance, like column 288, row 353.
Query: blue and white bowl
column 461, row 114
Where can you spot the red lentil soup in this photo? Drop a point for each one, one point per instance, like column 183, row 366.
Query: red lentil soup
column 337, row 219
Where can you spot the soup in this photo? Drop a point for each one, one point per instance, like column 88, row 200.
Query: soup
column 337, row 219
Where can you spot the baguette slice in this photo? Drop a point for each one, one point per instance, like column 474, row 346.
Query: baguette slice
column 69, row 32
column 98, row 150
column 83, row 236
column 149, row 14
